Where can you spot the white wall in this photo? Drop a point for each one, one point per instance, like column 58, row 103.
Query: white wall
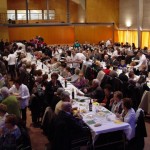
column 128, row 11
column 146, row 14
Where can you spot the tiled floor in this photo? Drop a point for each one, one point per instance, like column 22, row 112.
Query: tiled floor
column 38, row 140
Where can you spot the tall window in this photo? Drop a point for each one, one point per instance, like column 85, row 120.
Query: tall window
column 21, row 14
column 32, row 14
column 35, row 14
column 11, row 14
column 51, row 14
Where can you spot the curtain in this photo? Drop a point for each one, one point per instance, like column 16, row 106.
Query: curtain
column 128, row 36
column 145, row 39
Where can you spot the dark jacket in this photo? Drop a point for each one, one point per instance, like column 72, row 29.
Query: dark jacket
column 49, row 91
column 95, row 93
column 67, row 128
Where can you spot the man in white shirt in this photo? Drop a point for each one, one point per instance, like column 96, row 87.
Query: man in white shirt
column 22, row 93
column 11, row 64
column 142, row 61
column 108, row 43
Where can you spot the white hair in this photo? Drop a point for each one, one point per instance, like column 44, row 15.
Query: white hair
column 5, row 91
column 96, row 81
column 65, row 94
column 60, row 90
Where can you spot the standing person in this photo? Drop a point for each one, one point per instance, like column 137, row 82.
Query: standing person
column 10, row 101
column 11, row 64
column 22, row 93
column 51, row 88
column 3, row 69
column 142, row 61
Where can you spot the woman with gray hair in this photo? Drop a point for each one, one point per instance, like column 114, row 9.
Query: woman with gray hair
column 10, row 101
column 65, row 97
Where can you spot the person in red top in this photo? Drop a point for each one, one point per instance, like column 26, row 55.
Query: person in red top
column 107, row 70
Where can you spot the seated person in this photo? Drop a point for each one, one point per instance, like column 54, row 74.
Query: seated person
column 65, row 97
column 81, row 81
column 128, row 115
column 57, row 97
column 2, row 81
column 107, row 70
column 108, row 95
column 75, row 76
column 142, row 83
column 144, row 71
column 122, row 64
column 10, row 131
column 132, row 77
column 38, row 76
column 113, row 73
column 86, row 64
column 114, row 61
column 67, row 127
column 3, row 114
column 100, row 76
column 66, row 72
column 94, row 91
column 116, row 102
column 123, row 77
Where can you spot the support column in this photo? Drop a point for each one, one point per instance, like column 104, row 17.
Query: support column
column 139, row 21
column 68, row 11
column 47, row 6
column 27, row 8
column 4, row 34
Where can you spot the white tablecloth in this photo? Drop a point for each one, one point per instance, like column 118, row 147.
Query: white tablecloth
column 100, row 115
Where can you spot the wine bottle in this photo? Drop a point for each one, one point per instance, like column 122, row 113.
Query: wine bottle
column 72, row 93
column 90, row 105
column 65, row 83
column 42, row 65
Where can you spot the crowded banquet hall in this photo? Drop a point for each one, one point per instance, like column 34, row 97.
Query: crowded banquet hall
column 74, row 75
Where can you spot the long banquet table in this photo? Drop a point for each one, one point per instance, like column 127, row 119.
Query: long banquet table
column 100, row 120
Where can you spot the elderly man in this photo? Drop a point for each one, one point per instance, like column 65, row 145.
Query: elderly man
column 11, row 102
column 94, row 91
column 65, row 97
column 67, row 127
